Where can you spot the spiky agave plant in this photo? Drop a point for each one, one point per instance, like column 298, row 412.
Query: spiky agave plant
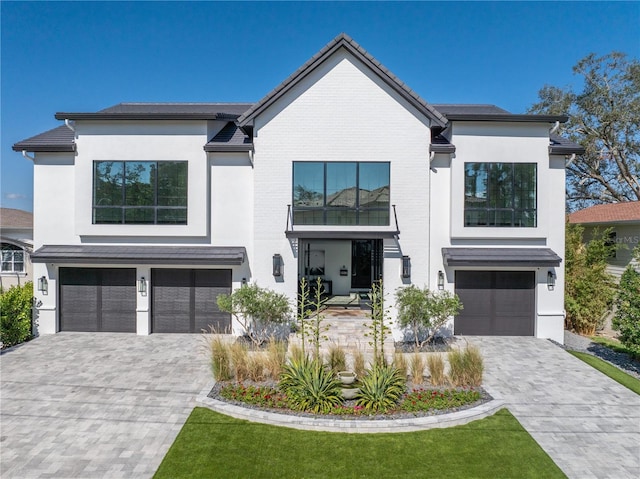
column 309, row 386
column 381, row 388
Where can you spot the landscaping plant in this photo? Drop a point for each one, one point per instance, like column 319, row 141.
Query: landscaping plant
column 276, row 358
column 400, row 363
column 435, row 364
column 256, row 309
column 303, row 311
column 627, row 317
column 309, row 386
column 15, row 314
column 359, row 363
column 316, row 328
column 427, row 400
column 423, row 310
column 466, row 367
column 416, row 366
column 220, row 355
column 378, row 330
column 337, row 358
column 239, row 361
column 380, row 389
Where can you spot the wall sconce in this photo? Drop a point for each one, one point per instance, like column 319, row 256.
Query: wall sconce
column 440, row 280
column 406, row 267
column 277, row 265
column 244, row 281
column 551, row 280
column 43, row 285
column 142, row 285
column 344, row 271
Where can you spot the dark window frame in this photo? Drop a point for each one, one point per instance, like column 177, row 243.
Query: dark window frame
column 325, row 210
column 155, row 207
column 517, row 213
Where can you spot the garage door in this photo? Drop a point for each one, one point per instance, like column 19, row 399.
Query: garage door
column 184, row 300
column 499, row 303
column 98, row 299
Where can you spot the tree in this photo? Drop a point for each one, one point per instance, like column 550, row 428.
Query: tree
column 627, row 318
column 421, row 309
column 605, row 119
column 589, row 289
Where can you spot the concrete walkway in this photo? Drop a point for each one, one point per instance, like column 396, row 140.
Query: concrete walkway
column 96, row 405
column 588, row 423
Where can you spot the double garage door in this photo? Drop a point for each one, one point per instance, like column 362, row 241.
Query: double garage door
column 104, row 299
column 498, row 303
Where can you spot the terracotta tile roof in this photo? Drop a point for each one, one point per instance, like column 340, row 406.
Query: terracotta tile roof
column 12, row 218
column 609, row 213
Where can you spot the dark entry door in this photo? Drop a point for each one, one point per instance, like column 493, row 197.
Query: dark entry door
column 98, row 299
column 185, row 300
column 366, row 262
column 497, row 303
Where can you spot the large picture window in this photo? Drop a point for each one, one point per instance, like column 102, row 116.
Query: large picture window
column 500, row 194
column 140, row 192
column 340, row 193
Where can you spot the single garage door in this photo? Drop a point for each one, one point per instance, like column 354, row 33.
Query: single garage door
column 184, row 300
column 497, row 303
column 98, row 299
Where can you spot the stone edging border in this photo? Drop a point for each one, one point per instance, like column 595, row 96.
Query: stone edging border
column 358, row 426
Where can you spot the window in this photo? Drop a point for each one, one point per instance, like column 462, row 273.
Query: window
column 140, row 192
column 12, row 258
column 500, row 194
column 340, row 193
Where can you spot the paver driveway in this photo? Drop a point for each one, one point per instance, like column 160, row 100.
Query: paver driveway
column 96, row 405
column 588, row 423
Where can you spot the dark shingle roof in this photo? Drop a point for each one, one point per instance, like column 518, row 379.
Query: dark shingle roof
column 230, row 138
column 563, row 146
column 162, row 111
column 61, row 138
column 343, row 41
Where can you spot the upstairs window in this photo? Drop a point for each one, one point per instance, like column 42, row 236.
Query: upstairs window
column 500, row 195
column 140, row 192
column 12, row 258
column 340, row 193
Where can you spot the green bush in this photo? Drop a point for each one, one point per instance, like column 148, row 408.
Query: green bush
column 627, row 318
column 309, row 386
column 15, row 307
column 381, row 388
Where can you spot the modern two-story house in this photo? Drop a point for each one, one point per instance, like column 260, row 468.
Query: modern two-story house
column 144, row 213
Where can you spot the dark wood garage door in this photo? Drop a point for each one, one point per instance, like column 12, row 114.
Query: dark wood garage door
column 496, row 303
column 184, row 300
column 98, row 299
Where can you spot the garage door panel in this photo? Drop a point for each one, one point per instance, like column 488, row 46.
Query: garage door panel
column 118, row 296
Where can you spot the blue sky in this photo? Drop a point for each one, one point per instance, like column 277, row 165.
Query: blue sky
column 85, row 56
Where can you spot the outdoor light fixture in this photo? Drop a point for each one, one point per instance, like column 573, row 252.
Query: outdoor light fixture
column 277, row 265
column 440, row 280
column 142, row 285
column 551, row 280
column 43, row 285
column 244, row 281
column 406, row 267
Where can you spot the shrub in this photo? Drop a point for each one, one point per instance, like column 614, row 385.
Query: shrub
column 276, row 358
column 426, row 400
column 422, row 309
column 359, row 363
column 239, row 360
column 466, row 367
column 627, row 318
column 337, row 358
column 380, row 389
column 310, row 387
column 400, row 363
column 256, row 309
column 15, row 314
column 255, row 366
column 416, row 366
column 220, row 355
column 435, row 363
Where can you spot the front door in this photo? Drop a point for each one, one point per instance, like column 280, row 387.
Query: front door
column 366, row 262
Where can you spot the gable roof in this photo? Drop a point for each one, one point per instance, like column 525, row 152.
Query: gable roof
column 61, row 138
column 162, row 111
column 230, row 138
column 343, row 41
column 609, row 213
column 11, row 218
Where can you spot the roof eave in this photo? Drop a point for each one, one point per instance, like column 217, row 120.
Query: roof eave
column 142, row 116
column 442, row 149
column 508, row 117
column 44, row 148
column 228, row 148
column 565, row 150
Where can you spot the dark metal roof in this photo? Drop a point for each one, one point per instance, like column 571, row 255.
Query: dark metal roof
column 506, row 117
column 525, row 257
column 136, row 254
column 61, row 138
column 563, row 146
column 440, row 144
column 343, row 41
column 342, row 234
column 162, row 111
column 230, row 138
column 470, row 109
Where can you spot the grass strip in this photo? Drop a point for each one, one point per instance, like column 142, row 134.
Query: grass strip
column 613, row 372
column 214, row 445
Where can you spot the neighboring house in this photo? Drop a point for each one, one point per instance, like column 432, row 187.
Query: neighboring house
column 624, row 221
column 16, row 236
column 146, row 212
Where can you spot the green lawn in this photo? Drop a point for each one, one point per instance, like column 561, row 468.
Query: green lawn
column 611, row 371
column 213, row 445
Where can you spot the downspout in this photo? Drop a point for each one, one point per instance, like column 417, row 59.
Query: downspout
column 69, row 125
column 554, row 128
column 570, row 160
column 24, row 153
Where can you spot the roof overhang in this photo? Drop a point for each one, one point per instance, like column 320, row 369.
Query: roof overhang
column 138, row 254
column 351, row 234
column 507, row 117
column 506, row 257
column 143, row 116
column 213, row 148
